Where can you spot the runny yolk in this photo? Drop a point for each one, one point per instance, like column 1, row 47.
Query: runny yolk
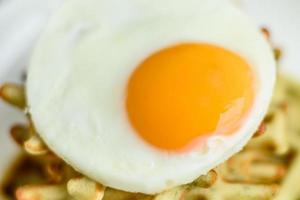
column 187, row 92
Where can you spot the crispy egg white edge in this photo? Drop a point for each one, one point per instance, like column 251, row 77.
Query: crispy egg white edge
column 126, row 32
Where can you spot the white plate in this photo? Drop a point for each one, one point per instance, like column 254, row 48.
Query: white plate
column 21, row 22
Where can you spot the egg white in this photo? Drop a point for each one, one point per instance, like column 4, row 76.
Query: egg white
column 79, row 71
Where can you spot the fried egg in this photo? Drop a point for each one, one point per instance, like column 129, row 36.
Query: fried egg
column 145, row 95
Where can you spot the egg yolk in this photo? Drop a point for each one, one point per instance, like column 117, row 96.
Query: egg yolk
column 184, row 93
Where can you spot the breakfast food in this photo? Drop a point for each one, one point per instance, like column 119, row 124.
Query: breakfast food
column 143, row 97
column 266, row 169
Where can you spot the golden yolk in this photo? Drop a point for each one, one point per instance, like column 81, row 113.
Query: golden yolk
column 187, row 92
